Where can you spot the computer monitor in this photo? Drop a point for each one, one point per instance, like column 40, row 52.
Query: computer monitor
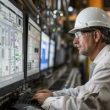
column 51, row 53
column 33, row 53
column 44, row 51
column 11, row 47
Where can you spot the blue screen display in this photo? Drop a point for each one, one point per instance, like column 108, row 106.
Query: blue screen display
column 51, row 53
column 44, row 51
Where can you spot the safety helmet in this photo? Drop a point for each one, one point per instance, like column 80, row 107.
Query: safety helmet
column 91, row 17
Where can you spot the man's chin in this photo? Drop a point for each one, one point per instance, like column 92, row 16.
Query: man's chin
column 83, row 53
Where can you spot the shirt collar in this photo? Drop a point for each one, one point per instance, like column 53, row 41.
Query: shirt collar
column 101, row 54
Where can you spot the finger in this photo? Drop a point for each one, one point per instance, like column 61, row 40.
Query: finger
column 43, row 90
column 38, row 95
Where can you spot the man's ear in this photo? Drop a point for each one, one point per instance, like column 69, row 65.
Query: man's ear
column 97, row 35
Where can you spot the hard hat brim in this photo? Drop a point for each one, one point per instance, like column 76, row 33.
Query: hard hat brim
column 72, row 31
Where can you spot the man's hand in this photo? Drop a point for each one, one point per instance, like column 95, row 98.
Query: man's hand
column 41, row 95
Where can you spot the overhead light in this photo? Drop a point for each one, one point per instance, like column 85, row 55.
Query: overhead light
column 61, row 14
column 55, row 11
column 70, row 9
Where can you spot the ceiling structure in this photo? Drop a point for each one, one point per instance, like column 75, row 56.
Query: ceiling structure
column 58, row 15
column 52, row 9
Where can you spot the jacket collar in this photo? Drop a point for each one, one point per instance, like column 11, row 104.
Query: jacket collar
column 102, row 54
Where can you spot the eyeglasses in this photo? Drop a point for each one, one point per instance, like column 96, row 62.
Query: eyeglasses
column 78, row 34
column 83, row 33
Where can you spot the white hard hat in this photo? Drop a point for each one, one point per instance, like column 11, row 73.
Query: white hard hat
column 91, row 17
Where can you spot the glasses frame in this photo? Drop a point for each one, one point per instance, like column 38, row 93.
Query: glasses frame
column 80, row 33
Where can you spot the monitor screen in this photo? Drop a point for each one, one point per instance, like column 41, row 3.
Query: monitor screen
column 11, row 47
column 33, row 56
column 44, row 51
column 51, row 53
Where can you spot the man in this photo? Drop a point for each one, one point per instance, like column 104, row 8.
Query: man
column 92, row 39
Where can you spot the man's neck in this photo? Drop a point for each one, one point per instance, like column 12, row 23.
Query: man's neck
column 96, row 52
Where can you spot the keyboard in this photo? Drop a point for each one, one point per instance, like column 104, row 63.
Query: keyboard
column 20, row 106
column 25, row 102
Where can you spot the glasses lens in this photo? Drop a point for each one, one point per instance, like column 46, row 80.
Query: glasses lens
column 82, row 32
column 78, row 34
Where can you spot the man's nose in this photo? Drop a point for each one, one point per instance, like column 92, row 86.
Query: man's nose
column 75, row 41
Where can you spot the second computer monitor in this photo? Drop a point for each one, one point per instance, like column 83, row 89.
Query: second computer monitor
column 33, row 58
